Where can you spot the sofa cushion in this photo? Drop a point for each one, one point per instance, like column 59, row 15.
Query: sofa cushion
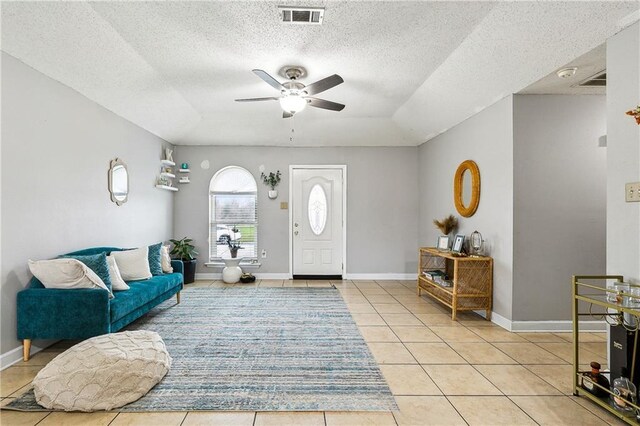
column 133, row 264
column 140, row 293
column 97, row 263
column 65, row 274
column 155, row 259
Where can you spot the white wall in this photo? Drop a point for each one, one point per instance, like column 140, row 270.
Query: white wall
column 559, row 220
column 487, row 139
column 623, row 153
column 56, row 148
column 382, row 203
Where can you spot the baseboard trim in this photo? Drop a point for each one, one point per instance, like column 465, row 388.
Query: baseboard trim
column 382, row 276
column 544, row 326
column 14, row 356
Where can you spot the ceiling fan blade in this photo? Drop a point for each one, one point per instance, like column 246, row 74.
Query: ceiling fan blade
column 268, row 79
column 286, row 114
column 324, row 84
column 256, row 99
column 321, row 103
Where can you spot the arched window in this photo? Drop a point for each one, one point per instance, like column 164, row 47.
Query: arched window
column 233, row 214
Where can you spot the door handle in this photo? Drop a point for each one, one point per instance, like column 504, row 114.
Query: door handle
column 295, row 233
column 295, row 224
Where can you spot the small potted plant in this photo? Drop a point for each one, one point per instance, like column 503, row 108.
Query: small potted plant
column 234, row 244
column 272, row 180
column 183, row 250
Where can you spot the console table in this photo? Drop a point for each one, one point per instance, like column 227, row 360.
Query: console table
column 471, row 280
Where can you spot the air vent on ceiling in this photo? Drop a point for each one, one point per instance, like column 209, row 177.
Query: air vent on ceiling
column 598, row 80
column 301, row 15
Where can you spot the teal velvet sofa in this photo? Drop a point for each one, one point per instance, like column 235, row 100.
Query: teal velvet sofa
column 47, row 313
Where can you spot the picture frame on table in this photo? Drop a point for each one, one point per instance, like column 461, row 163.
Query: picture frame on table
column 458, row 242
column 443, row 243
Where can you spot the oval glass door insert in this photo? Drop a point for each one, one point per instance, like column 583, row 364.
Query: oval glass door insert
column 317, row 209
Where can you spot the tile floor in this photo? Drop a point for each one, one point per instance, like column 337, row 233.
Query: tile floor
column 441, row 372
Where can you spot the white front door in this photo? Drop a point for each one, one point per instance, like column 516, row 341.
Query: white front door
column 317, row 226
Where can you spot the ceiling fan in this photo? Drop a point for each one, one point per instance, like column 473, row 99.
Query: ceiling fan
column 294, row 96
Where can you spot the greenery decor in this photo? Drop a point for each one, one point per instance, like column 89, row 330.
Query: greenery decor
column 272, row 180
column 635, row 113
column 233, row 244
column 446, row 225
column 183, row 249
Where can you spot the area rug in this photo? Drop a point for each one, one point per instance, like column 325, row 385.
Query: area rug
column 259, row 349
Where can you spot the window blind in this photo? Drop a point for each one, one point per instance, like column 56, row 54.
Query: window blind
column 233, row 219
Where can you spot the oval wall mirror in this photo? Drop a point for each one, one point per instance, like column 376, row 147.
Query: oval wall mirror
column 466, row 188
column 118, row 182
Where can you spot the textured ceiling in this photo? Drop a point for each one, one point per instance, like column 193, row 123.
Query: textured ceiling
column 411, row 69
column 589, row 64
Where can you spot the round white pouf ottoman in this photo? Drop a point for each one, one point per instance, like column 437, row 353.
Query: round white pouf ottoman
column 103, row 372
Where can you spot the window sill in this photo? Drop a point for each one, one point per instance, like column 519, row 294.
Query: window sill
column 242, row 264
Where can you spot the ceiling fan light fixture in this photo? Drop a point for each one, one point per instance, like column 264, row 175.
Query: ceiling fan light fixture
column 292, row 103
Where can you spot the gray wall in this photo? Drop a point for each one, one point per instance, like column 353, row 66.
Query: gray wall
column 382, row 191
column 56, row 148
column 559, row 221
column 623, row 153
column 487, row 139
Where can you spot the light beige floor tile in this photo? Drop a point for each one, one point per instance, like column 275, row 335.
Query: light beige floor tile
column 584, row 336
column 516, row 380
column 168, row 418
column 426, row 308
column 434, row 353
column 411, row 300
column 381, row 298
column 460, row 380
column 542, row 337
column 21, row 391
column 271, row 283
column 456, row 334
column 18, row 418
column 281, row 418
column 497, row 334
column 78, row 419
column 490, row 410
column 42, row 358
column 438, row 320
column 366, row 284
column 599, row 412
column 361, row 308
column 368, row 319
column 426, row 410
column 419, row 334
column 559, row 376
column 378, row 334
column 219, row 418
column 14, row 378
column 318, row 284
column 409, row 380
column 598, row 348
column 565, row 351
column 354, row 299
column 528, row 353
column 364, row 418
column 400, row 319
column 472, row 319
column 295, row 283
column 390, row 308
column 373, row 291
column 556, row 410
column 391, row 353
column 481, row 353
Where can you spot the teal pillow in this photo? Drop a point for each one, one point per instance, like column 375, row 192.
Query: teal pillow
column 97, row 263
column 155, row 259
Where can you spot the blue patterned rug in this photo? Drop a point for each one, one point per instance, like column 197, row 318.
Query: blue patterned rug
column 259, row 349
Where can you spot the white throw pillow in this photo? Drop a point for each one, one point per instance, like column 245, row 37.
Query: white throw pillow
column 66, row 274
column 166, row 260
column 133, row 264
column 117, row 283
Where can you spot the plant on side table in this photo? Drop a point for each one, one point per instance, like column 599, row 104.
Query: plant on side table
column 183, row 250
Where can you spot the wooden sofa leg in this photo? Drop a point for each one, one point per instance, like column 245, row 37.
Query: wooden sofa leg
column 26, row 350
column 178, row 297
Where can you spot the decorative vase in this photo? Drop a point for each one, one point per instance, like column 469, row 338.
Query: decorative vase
column 231, row 273
column 273, row 194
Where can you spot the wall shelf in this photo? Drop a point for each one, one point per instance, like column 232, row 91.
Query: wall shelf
column 168, row 188
column 168, row 175
column 167, row 163
column 184, row 171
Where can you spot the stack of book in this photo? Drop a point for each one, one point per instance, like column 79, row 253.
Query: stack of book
column 438, row 277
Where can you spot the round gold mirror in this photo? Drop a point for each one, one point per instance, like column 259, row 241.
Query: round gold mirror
column 466, row 188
